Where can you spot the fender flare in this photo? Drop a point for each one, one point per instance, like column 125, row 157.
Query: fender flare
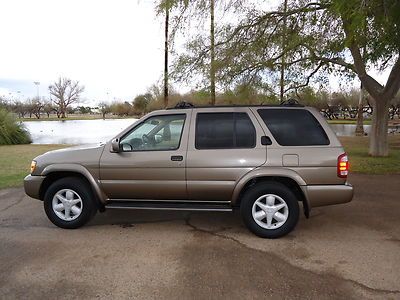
column 77, row 168
column 266, row 172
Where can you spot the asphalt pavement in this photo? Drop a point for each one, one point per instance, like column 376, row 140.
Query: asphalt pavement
column 343, row 251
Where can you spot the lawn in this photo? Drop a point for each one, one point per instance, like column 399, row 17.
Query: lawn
column 15, row 162
column 361, row 162
column 348, row 121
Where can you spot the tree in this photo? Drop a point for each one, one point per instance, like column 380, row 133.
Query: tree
column 283, row 37
column 34, row 107
column 345, row 37
column 104, row 109
column 165, row 7
column 64, row 92
column 200, row 60
column 48, row 107
column 212, row 51
column 141, row 102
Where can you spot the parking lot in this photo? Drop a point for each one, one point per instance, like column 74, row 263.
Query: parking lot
column 345, row 251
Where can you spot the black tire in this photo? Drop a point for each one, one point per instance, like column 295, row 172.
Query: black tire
column 276, row 188
column 81, row 188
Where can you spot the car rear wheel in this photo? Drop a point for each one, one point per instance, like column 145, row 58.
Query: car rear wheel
column 270, row 210
column 69, row 203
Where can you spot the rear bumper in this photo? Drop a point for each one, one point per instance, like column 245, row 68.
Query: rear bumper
column 32, row 185
column 323, row 195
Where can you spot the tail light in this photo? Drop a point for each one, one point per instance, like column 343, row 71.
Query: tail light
column 343, row 166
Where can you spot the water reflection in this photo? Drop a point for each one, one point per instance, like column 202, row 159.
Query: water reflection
column 348, row 129
column 94, row 131
column 75, row 131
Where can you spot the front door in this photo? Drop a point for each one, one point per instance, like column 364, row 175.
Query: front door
column 151, row 163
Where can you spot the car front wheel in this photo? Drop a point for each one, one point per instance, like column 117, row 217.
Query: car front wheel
column 68, row 203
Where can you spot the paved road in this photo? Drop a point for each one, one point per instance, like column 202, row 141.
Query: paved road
column 347, row 251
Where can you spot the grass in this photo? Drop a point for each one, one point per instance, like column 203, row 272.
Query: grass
column 15, row 162
column 348, row 121
column 361, row 162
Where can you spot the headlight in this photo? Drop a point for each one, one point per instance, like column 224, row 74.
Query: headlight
column 33, row 166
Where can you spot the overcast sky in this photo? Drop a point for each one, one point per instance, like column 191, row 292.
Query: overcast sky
column 110, row 46
column 114, row 48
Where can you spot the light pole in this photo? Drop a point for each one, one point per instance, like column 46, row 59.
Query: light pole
column 37, row 83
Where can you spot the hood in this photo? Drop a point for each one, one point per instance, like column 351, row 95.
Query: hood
column 85, row 155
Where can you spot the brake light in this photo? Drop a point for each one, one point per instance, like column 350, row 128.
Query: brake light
column 343, row 166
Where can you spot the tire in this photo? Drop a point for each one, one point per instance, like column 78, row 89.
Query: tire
column 257, row 202
column 66, row 197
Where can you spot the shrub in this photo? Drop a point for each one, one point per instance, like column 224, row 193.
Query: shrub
column 12, row 132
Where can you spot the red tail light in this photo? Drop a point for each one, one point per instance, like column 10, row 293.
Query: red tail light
column 343, row 166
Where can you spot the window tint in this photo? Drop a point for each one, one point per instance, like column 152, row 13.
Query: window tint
column 294, row 127
column 224, row 131
column 155, row 133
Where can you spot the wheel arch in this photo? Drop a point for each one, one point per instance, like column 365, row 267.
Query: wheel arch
column 289, row 178
column 53, row 173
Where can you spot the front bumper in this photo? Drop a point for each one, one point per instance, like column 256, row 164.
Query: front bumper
column 323, row 195
column 32, row 185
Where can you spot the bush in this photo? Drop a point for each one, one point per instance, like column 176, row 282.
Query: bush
column 12, row 132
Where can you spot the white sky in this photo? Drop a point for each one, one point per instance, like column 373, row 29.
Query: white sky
column 109, row 46
column 113, row 47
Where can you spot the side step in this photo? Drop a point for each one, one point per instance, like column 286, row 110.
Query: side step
column 170, row 205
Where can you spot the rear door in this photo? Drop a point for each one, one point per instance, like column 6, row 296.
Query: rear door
column 224, row 145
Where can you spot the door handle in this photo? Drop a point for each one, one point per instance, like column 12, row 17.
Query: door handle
column 176, row 157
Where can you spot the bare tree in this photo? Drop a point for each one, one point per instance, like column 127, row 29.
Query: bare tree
column 104, row 109
column 64, row 92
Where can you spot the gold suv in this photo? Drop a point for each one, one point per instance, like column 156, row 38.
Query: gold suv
column 263, row 160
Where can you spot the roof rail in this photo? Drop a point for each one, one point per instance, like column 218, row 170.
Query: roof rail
column 291, row 102
column 184, row 104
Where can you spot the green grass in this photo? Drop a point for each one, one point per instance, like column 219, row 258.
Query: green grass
column 361, row 162
column 348, row 121
column 15, row 162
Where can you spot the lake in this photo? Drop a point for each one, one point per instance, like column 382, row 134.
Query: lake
column 94, row 131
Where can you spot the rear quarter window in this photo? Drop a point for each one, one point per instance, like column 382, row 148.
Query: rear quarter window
column 294, row 127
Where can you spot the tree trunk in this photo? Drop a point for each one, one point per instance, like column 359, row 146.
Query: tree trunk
column 378, row 143
column 212, row 52
column 360, row 125
column 166, row 57
column 282, row 79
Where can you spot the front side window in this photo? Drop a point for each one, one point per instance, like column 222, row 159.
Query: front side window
column 224, row 131
column 155, row 133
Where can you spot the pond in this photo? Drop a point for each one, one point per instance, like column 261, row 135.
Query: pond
column 94, row 131
column 75, row 131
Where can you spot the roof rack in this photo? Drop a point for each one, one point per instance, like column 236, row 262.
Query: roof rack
column 184, row 104
column 187, row 105
column 291, row 102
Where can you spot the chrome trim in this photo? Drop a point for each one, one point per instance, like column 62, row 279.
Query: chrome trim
column 172, row 201
column 171, row 208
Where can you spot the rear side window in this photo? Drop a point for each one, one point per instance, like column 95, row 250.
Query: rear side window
column 294, row 127
column 224, row 131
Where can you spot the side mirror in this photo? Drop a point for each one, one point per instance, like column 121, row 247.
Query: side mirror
column 115, row 145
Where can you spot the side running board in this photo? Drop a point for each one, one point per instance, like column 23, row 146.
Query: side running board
column 167, row 205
